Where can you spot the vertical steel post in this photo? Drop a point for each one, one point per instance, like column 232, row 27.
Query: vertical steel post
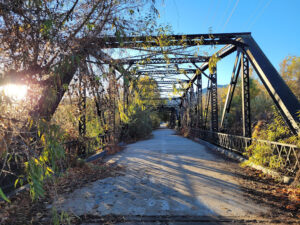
column 173, row 118
column 214, row 100
column 82, row 107
column 114, row 92
column 199, row 102
column 246, row 97
column 207, row 100
column 124, row 92
column 126, row 84
column 179, row 121
column 82, row 111
column 185, row 111
column 191, row 106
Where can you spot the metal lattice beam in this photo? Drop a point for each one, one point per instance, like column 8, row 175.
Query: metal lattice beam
column 82, row 107
column 231, row 88
column 227, row 50
column 173, row 40
column 181, row 60
column 170, row 90
column 282, row 96
column 246, row 97
column 191, row 106
column 214, row 99
column 163, row 72
column 166, row 82
column 199, row 102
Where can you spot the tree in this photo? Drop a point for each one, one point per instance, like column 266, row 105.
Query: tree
column 290, row 72
column 45, row 42
column 140, row 115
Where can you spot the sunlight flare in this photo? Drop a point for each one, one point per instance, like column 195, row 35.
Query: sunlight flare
column 14, row 91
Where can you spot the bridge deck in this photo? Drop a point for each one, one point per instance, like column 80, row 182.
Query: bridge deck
column 167, row 175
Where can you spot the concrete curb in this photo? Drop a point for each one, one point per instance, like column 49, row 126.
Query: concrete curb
column 232, row 155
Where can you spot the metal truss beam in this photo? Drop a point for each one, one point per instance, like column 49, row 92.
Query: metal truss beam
column 191, row 106
column 166, row 82
column 201, row 71
column 163, row 72
column 82, row 107
column 170, row 90
column 164, row 61
column 214, row 100
column 227, row 50
column 199, row 107
column 246, row 97
column 282, row 96
column 162, row 99
column 207, row 100
column 173, row 40
column 231, row 88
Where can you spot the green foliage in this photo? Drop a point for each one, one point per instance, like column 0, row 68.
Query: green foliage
column 140, row 125
column 52, row 138
column 60, row 218
column 155, row 120
column 35, row 176
column 138, row 116
column 261, row 153
column 290, row 71
column 49, row 161
column 3, row 196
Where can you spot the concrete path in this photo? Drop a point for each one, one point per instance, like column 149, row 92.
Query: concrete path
column 167, row 175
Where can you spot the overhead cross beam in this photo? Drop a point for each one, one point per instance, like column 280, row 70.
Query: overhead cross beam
column 163, row 99
column 172, row 40
column 165, row 82
column 171, row 90
column 163, row 72
column 147, row 61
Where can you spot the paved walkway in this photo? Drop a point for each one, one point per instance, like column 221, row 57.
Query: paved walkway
column 167, row 175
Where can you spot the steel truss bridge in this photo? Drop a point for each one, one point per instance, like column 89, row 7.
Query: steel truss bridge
column 188, row 72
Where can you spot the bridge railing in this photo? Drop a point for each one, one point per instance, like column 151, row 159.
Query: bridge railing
column 287, row 153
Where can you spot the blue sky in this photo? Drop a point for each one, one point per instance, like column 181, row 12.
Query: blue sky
column 275, row 24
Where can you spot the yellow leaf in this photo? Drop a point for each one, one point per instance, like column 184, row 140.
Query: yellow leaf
column 36, row 161
column 43, row 139
column 30, row 125
column 49, row 169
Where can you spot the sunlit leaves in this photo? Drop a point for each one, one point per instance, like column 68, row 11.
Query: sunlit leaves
column 46, row 27
column 290, row 71
column 213, row 63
